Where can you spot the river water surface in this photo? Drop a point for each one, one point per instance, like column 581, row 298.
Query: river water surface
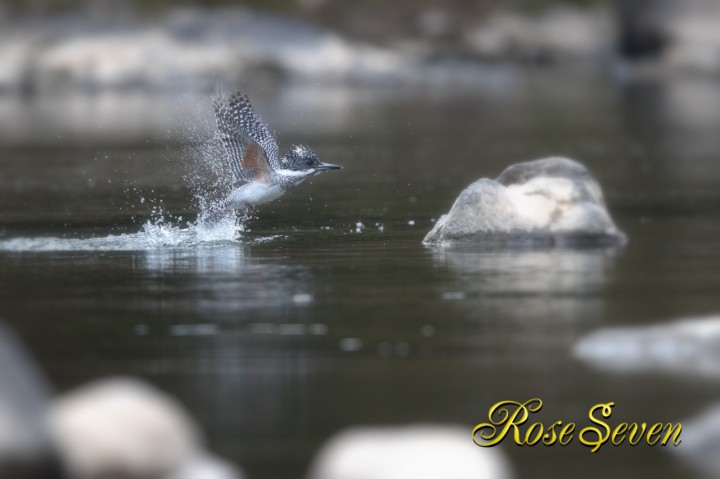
column 327, row 311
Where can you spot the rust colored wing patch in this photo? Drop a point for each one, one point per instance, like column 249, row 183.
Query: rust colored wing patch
column 254, row 160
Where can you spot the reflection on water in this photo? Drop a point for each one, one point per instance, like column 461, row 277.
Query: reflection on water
column 539, row 290
column 227, row 280
column 557, row 271
column 227, row 260
column 112, row 117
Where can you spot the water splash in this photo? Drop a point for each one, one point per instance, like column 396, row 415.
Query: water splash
column 156, row 234
column 210, row 181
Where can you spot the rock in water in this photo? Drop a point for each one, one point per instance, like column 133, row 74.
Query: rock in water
column 125, row 428
column 687, row 347
column 26, row 449
column 408, row 452
column 549, row 202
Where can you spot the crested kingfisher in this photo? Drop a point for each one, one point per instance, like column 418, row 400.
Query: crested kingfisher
column 254, row 157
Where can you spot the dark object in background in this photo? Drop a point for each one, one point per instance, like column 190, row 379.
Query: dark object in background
column 643, row 28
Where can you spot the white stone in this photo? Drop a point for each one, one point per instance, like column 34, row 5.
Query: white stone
column 126, row 428
column 408, row 452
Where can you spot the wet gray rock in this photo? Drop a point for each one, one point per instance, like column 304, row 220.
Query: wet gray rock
column 25, row 446
column 690, row 346
column 549, row 202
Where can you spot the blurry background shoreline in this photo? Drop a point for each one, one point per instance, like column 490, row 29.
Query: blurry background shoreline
column 51, row 46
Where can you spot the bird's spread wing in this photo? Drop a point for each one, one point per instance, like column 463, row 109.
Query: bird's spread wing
column 251, row 148
column 235, row 144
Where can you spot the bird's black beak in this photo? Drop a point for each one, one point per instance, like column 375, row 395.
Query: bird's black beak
column 327, row 166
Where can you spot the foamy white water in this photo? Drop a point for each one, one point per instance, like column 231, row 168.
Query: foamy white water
column 159, row 234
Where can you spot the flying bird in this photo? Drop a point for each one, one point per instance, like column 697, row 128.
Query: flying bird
column 253, row 155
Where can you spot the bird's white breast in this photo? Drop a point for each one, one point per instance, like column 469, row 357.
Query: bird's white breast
column 251, row 194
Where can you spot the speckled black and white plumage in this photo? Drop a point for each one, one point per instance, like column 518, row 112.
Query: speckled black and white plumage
column 239, row 125
column 254, row 156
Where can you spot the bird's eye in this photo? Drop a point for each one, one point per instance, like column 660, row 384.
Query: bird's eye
column 309, row 162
